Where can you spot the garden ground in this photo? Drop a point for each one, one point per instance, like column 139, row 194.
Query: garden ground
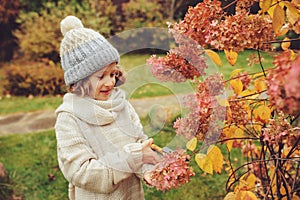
column 30, row 122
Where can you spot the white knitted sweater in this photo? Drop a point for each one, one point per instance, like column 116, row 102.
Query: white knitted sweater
column 98, row 147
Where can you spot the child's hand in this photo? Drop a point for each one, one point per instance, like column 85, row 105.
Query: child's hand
column 149, row 156
column 148, row 175
column 147, row 178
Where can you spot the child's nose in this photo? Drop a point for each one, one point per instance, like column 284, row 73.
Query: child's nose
column 110, row 81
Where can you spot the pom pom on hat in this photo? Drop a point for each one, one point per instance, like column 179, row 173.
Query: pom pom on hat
column 69, row 23
column 83, row 51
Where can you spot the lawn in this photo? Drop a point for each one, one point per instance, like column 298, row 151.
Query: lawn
column 31, row 158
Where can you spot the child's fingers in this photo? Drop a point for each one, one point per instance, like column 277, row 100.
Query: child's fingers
column 147, row 143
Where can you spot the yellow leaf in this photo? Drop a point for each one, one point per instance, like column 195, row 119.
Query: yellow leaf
column 262, row 113
column 260, row 85
column 231, row 56
column 285, row 45
column 278, row 18
column 191, row 145
column 216, row 156
column 242, row 185
column 271, row 9
column 236, row 85
column 214, row 56
column 229, row 144
column 273, row 179
column 258, row 75
column 248, row 195
column 238, row 133
column 265, row 5
column 251, row 179
column 247, row 93
column 230, row 196
column 257, row 128
column 284, row 192
column 235, row 72
column 204, row 163
column 292, row 13
column 229, row 133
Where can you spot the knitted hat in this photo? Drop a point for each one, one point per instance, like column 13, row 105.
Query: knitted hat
column 83, row 51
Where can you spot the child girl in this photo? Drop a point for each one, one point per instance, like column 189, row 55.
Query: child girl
column 102, row 150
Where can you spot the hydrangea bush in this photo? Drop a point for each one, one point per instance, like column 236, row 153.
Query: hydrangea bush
column 257, row 112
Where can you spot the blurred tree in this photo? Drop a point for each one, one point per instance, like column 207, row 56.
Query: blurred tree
column 143, row 13
column 108, row 9
column 9, row 11
column 39, row 35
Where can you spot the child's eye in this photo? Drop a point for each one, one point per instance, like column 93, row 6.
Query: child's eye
column 115, row 74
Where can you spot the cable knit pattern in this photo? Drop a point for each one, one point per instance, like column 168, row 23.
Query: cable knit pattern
column 83, row 51
column 98, row 152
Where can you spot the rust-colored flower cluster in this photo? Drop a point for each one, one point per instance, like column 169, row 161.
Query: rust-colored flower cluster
column 173, row 171
column 205, row 113
column 284, row 83
column 207, row 23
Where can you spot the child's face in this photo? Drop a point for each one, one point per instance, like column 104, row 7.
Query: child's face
column 103, row 82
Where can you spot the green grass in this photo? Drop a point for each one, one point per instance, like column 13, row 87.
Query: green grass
column 30, row 158
column 24, row 104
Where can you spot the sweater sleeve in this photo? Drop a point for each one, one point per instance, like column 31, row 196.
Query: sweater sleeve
column 142, row 136
column 82, row 167
column 137, row 123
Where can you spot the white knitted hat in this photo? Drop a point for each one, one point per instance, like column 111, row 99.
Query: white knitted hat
column 83, row 51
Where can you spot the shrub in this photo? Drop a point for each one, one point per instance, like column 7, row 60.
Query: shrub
column 39, row 35
column 33, row 78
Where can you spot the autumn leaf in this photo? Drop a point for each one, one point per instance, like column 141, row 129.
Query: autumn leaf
column 232, row 132
column 285, row 45
column 214, row 56
column 284, row 192
column 236, row 85
column 231, row 56
column 258, row 75
column 238, row 133
column 191, row 145
column 229, row 132
column 251, row 180
column 257, row 128
column 292, row 13
column 230, row 196
column 248, row 93
column 204, row 162
column 278, row 18
column 260, row 85
column 247, row 195
column 215, row 154
column 271, row 9
column 262, row 113
column 235, row 72
column 265, row 5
